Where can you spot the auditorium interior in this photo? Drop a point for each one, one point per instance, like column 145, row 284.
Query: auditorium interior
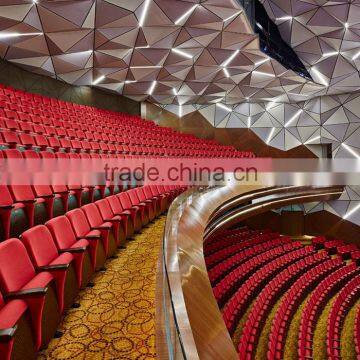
column 179, row 179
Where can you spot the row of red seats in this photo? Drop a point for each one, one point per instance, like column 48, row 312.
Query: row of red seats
column 343, row 303
column 81, row 124
column 229, row 284
column 220, row 270
column 290, row 302
column 215, row 258
column 243, row 295
column 229, row 240
column 55, row 260
column 225, row 233
column 315, row 305
column 267, row 298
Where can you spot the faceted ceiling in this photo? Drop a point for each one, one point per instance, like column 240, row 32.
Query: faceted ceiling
column 326, row 37
column 165, row 51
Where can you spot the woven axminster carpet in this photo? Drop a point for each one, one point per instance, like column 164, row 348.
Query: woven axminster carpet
column 116, row 317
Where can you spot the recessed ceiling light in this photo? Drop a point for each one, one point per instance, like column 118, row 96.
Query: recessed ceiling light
column 346, row 25
column 224, row 107
column 320, row 76
column 152, row 87
column 98, row 80
column 249, row 121
column 129, row 81
column 270, row 135
column 182, row 53
column 16, row 34
column 353, row 211
column 293, row 117
column 180, row 110
column 262, row 73
column 261, row 61
column 184, row 16
column 285, row 18
column 312, row 139
column 143, row 14
column 232, row 16
column 174, row 91
column 331, row 53
column 350, row 150
column 230, row 59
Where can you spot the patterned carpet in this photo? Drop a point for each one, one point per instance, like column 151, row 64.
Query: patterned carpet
column 116, row 317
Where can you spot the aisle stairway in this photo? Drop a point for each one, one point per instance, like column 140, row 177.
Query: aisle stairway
column 116, row 316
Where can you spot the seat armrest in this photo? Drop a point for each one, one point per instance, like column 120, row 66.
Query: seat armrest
column 101, row 228
column 28, row 201
column 53, row 267
column 89, row 237
column 6, row 207
column 26, row 293
column 73, row 250
column 112, row 220
column 7, row 334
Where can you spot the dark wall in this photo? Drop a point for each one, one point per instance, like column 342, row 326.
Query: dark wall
column 242, row 139
column 18, row 78
column 317, row 223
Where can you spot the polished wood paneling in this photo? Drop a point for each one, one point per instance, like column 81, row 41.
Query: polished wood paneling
column 292, row 223
column 243, row 139
column 203, row 332
column 18, row 78
column 328, row 224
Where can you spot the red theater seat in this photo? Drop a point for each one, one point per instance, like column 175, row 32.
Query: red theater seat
column 16, row 338
column 107, row 229
column 45, row 257
column 145, row 209
column 65, row 241
column 135, row 211
column 37, row 290
column 6, row 207
column 83, row 230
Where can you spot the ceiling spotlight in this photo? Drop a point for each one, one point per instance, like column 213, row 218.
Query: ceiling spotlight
column 313, row 139
column 249, row 121
column 98, row 80
column 285, row 18
column 350, row 150
column 180, row 110
column 152, row 87
column 262, row 73
column 224, row 107
column 293, row 118
column 174, row 91
column 331, row 53
column 182, row 53
column 346, row 25
column 270, row 135
column 226, row 72
column 259, row 26
column 16, row 34
column 143, row 14
column 356, row 55
column 129, row 81
column 353, row 211
column 232, row 16
column 320, row 76
column 231, row 58
column 184, row 16
column 262, row 61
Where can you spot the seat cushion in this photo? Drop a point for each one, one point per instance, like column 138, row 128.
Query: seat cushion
column 64, row 258
column 80, row 243
column 40, row 280
column 11, row 313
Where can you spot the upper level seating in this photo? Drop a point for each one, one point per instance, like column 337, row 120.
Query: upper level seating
column 36, row 122
column 267, row 282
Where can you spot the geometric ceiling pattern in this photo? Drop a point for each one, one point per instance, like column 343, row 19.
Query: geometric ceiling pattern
column 166, row 51
column 326, row 119
column 326, row 37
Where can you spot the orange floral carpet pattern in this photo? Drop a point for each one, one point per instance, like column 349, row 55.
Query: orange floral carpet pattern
column 116, row 319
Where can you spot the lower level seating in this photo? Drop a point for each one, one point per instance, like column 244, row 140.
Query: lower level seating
column 260, row 279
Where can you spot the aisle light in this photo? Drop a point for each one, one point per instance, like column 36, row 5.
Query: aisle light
column 182, row 17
